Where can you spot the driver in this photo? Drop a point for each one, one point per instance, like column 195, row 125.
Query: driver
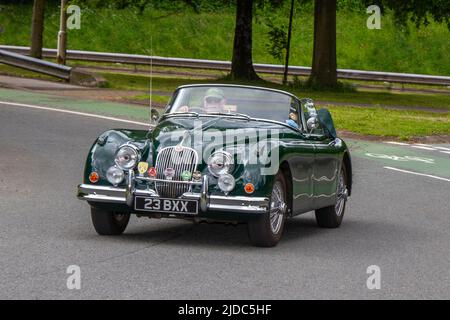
column 214, row 100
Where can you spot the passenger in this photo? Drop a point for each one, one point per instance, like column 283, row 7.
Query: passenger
column 293, row 119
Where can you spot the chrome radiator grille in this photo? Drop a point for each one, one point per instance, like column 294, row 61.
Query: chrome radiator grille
column 180, row 159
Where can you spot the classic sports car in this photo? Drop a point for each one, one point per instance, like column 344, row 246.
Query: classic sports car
column 222, row 153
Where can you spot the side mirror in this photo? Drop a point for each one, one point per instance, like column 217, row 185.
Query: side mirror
column 154, row 115
column 312, row 123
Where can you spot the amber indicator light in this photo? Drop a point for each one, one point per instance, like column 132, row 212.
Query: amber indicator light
column 93, row 177
column 249, row 187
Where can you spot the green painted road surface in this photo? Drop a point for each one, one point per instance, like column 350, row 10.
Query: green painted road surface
column 431, row 159
column 106, row 108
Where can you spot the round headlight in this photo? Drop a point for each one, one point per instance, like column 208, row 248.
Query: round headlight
column 114, row 175
column 226, row 182
column 127, row 157
column 220, row 163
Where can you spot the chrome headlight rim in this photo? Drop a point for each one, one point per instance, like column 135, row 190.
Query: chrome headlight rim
column 228, row 163
column 136, row 157
column 226, row 183
column 111, row 174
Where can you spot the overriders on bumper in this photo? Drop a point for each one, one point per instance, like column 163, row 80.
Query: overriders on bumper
column 125, row 196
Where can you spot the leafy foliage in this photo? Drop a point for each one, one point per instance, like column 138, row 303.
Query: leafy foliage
column 277, row 44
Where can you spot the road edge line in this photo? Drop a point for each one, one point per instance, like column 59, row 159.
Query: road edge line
column 78, row 113
column 417, row 173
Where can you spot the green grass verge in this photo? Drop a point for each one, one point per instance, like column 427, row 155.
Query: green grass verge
column 161, row 100
column 402, row 124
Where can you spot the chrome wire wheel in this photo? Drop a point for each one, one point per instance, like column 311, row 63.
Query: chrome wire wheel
column 331, row 216
column 341, row 194
column 277, row 208
column 266, row 229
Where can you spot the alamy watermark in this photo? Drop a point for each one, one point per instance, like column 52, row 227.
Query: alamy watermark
column 374, row 20
column 250, row 146
column 74, row 280
column 74, row 18
column 374, row 280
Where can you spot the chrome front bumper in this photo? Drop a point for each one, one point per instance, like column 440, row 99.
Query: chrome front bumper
column 237, row 204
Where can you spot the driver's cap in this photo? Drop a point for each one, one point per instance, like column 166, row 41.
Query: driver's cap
column 215, row 93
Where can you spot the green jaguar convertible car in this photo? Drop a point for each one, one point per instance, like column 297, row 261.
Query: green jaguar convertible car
column 222, row 153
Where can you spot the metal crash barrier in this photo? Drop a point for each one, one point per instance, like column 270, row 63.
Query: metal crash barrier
column 226, row 66
column 33, row 64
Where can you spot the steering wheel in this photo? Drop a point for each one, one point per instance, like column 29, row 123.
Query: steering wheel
column 196, row 109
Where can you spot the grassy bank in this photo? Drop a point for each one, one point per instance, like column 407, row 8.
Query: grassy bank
column 209, row 35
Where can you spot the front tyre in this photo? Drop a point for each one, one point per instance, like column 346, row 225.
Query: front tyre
column 108, row 223
column 266, row 230
column 331, row 217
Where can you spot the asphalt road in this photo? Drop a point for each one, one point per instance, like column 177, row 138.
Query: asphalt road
column 395, row 220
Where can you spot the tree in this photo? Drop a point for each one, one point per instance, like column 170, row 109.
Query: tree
column 242, row 62
column 37, row 29
column 324, row 63
column 288, row 44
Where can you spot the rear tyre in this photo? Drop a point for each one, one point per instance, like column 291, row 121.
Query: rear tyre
column 331, row 217
column 109, row 223
column 266, row 230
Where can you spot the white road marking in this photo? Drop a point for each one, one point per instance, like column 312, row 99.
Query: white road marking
column 423, row 144
column 418, row 174
column 431, row 147
column 398, row 143
column 423, row 147
column 73, row 112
